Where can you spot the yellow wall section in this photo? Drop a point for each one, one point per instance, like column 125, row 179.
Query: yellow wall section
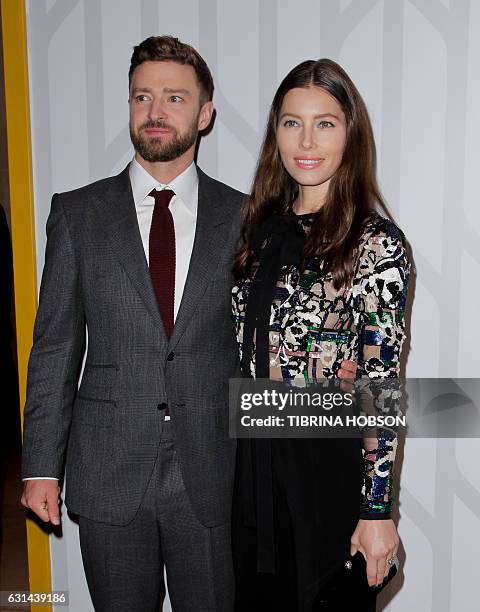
column 23, row 236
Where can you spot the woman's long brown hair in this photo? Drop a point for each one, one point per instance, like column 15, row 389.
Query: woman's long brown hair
column 353, row 190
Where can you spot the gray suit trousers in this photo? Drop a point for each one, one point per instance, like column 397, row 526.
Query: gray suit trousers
column 124, row 564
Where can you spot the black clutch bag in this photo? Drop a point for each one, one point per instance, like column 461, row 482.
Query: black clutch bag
column 348, row 588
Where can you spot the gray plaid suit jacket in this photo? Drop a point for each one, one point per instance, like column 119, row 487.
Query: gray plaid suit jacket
column 108, row 432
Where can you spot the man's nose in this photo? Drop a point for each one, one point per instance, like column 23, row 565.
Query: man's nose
column 157, row 110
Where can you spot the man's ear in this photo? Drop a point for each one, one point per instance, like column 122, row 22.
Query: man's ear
column 205, row 115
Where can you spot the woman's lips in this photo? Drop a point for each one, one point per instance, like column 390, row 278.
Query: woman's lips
column 308, row 163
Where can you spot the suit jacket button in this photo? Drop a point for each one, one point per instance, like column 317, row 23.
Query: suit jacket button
column 170, row 356
column 162, row 406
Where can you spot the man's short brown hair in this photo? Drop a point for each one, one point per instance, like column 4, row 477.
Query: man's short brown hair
column 170, row 49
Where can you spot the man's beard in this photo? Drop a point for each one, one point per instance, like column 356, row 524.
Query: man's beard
column 158, row 149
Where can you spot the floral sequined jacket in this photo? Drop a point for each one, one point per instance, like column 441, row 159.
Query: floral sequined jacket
column 314, row 327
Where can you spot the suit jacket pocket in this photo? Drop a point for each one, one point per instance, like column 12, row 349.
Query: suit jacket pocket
column 94, row 412
column 98, row 382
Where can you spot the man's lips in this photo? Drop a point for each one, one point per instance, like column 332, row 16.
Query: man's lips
column 308, row 163
column 157, row 131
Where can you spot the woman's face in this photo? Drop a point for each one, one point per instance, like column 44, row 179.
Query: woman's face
column 311, row 136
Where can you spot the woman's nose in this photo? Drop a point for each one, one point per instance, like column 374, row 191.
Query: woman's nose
column 307, row 140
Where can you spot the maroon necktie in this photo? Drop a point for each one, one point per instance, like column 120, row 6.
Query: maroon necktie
column 162, row 256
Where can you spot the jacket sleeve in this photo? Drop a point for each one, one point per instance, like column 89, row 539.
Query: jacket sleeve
column 380, row 290
column 56, row 356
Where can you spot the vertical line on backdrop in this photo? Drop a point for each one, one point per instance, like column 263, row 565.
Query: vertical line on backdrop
column 453, row 26
column 23, row 235
column 149, row 16
column 101, row 157
column 391, row 133
column 95, row 94
column 47, row 23
column 208, row 48
column 231, row 118
column 268, row 57
column 455, row 31
column 392, row 87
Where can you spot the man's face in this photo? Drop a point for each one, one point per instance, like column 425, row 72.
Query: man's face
column 165, row 110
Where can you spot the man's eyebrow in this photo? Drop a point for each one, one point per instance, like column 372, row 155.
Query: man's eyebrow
column 176, row 90
column 286, row 114
column 170, row 90
column 135, row 90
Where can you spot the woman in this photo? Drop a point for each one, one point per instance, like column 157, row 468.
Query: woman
column 321, row 278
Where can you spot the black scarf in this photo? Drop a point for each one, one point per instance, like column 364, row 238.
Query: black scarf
column 279, row 241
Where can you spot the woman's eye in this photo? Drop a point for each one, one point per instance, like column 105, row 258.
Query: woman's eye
column 326, row 124
column 290, row 123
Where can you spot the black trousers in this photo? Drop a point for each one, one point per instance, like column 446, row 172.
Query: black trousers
column 255, row 591
column 298, row 535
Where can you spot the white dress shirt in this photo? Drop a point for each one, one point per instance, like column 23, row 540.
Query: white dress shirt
column 183, row 206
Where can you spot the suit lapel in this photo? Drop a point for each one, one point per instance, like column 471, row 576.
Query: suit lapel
column 116, row 208
column 210, row 238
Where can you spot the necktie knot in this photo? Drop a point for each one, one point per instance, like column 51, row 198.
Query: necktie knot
column 162, row 197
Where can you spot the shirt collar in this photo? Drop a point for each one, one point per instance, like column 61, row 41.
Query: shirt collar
column 185, row 185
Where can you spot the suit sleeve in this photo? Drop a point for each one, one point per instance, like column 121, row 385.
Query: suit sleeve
column 55, row 359
column 381, row 289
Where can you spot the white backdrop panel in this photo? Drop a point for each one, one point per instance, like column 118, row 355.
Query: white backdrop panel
column 416, row 63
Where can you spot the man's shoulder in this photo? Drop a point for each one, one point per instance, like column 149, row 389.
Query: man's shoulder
column 223, row 190
column 93, row 190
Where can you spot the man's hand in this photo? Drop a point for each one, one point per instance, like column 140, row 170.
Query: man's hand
column 42, row 497
column 378, row 542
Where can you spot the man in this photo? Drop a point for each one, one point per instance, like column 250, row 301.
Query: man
column 149, row 461
column 143, row 261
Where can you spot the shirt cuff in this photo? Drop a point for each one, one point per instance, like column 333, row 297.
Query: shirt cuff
column 39, row 478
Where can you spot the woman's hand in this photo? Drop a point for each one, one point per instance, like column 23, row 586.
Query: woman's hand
column 377, row 541
column 347, row 373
